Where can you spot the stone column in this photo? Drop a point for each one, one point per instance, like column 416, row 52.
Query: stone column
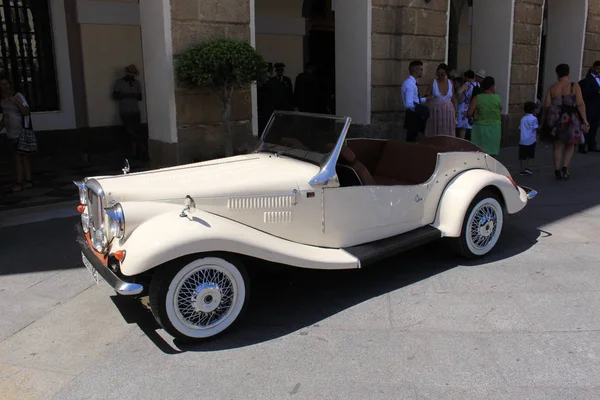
column 591, row 51
column 403, row 31
column 198, row 119
column 155, row 21
column 525, row 61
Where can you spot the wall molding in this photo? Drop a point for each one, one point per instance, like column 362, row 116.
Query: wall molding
column 108, row 12
column 276, row 25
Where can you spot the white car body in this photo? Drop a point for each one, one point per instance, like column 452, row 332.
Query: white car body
column 290, row 207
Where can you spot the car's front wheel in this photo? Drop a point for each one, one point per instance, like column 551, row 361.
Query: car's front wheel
column 199, row 299
column 482, row 226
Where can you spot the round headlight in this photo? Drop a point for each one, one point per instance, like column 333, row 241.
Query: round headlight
column 115, row 221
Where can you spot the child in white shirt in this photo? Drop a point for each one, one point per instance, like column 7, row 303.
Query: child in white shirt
column 529, row 126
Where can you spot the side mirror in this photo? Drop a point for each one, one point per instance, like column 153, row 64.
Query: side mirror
column 126, row 168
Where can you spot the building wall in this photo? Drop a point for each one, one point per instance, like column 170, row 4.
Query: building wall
column 199, row 126
column 110, row 40
column 402, row 31
column 525, row 62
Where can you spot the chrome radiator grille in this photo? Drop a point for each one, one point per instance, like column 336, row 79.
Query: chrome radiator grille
column 95, row 209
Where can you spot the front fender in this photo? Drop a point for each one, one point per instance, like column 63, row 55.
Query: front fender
column 461, row 191
column 168, row 236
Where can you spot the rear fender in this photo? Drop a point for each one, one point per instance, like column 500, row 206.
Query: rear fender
column 168, row 236
column 461, row 191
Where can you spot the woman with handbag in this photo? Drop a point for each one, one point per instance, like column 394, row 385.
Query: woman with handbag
column 17, row 121
column 564, row 122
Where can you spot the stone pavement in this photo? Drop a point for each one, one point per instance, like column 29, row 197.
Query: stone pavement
column 521, row 324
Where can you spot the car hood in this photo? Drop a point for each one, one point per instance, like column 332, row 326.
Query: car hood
column 240, row 175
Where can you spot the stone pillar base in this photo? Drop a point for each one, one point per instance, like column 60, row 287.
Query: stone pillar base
column 162, row 154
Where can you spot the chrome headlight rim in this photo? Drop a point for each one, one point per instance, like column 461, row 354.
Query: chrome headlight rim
column 85, row 220
column 115, row 221
column 82, row 191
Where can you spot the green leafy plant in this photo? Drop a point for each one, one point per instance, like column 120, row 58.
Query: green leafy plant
column 223, row 66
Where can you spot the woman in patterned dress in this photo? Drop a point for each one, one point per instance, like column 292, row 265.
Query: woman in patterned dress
column 442, row 111
column 564, row 122
column 465, row 95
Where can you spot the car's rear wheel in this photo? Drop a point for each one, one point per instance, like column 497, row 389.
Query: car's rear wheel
column 199, row 299
column 482, row 226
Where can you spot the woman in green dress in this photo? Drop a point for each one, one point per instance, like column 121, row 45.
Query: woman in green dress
column 487, row 107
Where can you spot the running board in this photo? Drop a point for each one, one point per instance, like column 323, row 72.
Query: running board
column 373, row 252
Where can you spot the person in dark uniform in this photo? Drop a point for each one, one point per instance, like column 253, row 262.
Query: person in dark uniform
column 307, row 92
column 265, row 107
column 281, row 89
column 590, row 89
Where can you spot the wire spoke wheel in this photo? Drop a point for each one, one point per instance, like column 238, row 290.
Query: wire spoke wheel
column 200, row 299
column 482, row 226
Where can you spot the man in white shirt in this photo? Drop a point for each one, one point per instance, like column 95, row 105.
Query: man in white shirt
column 413, row 122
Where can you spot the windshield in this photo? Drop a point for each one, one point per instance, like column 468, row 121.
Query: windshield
column 308, row 137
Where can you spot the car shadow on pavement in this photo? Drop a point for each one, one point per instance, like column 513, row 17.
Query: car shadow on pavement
column 285, row 299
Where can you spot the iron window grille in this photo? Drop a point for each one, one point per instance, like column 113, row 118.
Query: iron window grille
column 27, row 53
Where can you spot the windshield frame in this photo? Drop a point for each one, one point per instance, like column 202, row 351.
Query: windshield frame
column 327, row 171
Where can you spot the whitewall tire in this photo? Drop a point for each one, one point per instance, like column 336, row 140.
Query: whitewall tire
column 482, row 226
column 199, row 299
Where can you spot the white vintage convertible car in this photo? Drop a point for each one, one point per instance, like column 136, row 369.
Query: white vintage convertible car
column 308, row 197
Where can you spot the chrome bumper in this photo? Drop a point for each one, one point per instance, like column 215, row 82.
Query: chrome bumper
column 530, row 192
column 120, row 286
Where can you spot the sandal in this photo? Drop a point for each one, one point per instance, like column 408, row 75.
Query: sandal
column 17, row 187
column 27, row 184
column 565, row 172
column 557, row 174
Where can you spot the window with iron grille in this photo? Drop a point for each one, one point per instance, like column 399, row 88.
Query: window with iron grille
column 27, row 53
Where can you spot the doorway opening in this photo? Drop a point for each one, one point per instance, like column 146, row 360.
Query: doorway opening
column 319, row 47
column 480, row 38
column 563, row 39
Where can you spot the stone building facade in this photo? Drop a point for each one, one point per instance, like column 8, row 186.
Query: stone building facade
column 507, row 38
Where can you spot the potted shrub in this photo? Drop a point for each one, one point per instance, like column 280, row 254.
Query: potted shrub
column 223, row 66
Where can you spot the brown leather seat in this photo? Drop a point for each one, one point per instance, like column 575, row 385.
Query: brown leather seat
column 404, row 163
column 363, row 173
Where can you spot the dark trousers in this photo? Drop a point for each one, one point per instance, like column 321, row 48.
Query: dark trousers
column 590, row 137
column 413, row 125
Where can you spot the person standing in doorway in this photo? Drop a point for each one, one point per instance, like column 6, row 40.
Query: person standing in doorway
column 307, row 92
column 281, row 89
column 414, row 121
column 128, row 92
column 487, row 109
column 590, row 90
